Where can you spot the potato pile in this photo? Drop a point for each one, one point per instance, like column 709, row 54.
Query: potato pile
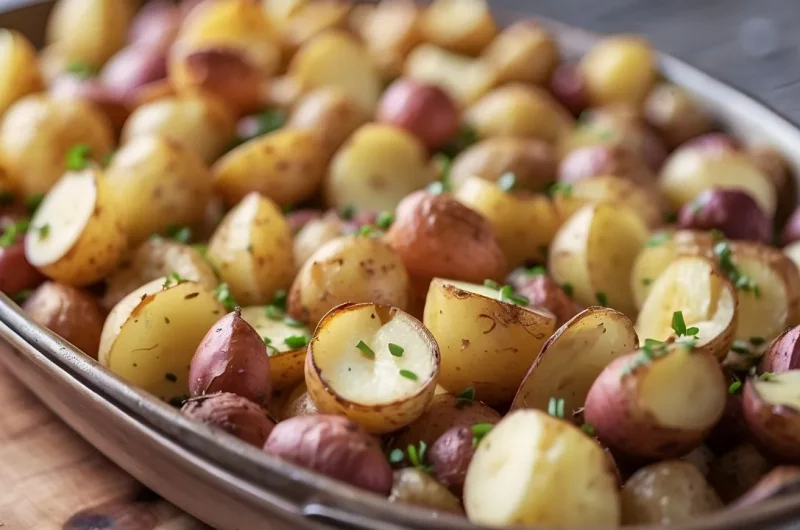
column 413, row 251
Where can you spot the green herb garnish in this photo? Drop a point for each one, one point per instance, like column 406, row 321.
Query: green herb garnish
column 646, row 281
column 296, row 341
column 366, row 231
column 679, row 326
column 588, row 429
column 269, row 121
column 223, row 294
column 416, row 456
column 507, row 294
column 279, row 299
column 44, row 231
column 507, row 181
column 347, row 212
column 567, row 288
column 468, row 394
column 562, row 188
column 491, row 284
column 555, row 407
column 174, row 277
column 21, row 296
column 479, row 430
column 82, row 69
column 365, row 350
column 408, row 374
column 537, row 270
column 742, row 282
column 396, row 456
column 384, row 220
column 274, row 312
column 12, row 232
column 33, row 202
column 182, row 234
column 658, row 239
column 78, row 157
column 602, row 298
column 396, row 350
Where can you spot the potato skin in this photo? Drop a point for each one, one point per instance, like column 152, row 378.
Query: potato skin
column 334, row 446
column 425, row 224
column 232, row 357
column 667, row 493
column 791, row 230
column 422, row 109
column 416, row 487
column 620, row 68
column 68, row 312
column 543, row 291
column 16, row 273
column 783, row 354
column 781, row 481
column 523, row 52
column 450, row 456
column 671, row 111
column 21, row 59
column 330, row 114
column 596, row 160
column 731, row 430
column 568, row 86
column 731, row 211
column 774, row 429
column 234, row 414
column 299, row 403
column 734, row 473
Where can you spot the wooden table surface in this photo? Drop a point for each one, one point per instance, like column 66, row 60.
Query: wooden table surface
column 52, row 479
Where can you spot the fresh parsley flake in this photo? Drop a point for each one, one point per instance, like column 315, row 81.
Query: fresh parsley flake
column 468, row 394
column 658, row 239
column 588, row 429
column 562, row 188
column 82, row 69
column 182, row 234
column 279, row 299
column 646, row 281
column 12, row 232
column 735, row 387
column 491, row 284
column 21, row 296
column 479, row 431
column 602, row 298
column 347, row 212
column 742, row 282
column 274, row 312
column 44, row 231
column 538, row 270
column 507, row 294
column 568, row 290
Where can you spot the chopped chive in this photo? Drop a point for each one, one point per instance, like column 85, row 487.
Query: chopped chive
column 740, row 346
column 567, row 288
column 491, row 284
column 396, row 350
column 78, row 157
column 44, row 231
column 366, row 231
column 182, row 234
column 366, row 350
column 646, row 281
column 468, row 394
column 588, row 429
column 408, row 374
column 538, row 270
column 12, row 232
column 735, row 386
column 347, row 212
column 82, row 69
column 562, row 188
column 555, row 407
column 481, row 429
column 602, row 299
column 384, row 220
column 296, row 341
column 678, row 324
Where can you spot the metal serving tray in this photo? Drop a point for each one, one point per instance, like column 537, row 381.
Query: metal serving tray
column 233, row 486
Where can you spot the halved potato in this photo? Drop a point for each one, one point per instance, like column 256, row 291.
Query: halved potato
column 77, row 236
column 535, row 470
column 594, row 252
column 20, row 73
column 462, row 26
column 772, row 413
column 658, row 402
column 793, row 251
column 90, row 31
column 309, row 20
column 694, row 286
column 463, row 78
column 156, row 258
column 149, row 338
column 659, row 251
column 523, row 52
column 335, row 58
column 286, row 360
column 573, row 357
column 524, row 223
column 485, row 342
column 390, row 32
column 373, row 363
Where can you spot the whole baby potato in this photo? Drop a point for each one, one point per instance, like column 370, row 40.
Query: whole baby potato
column 619, row 69
column 314, row 234
column 156, row 23
column 464, row 78
column 132, row 68
column 783, row 354
column 450, row 456
column 463, row 26
column 677, row 117
column 232, row 357
column 416, row 487
column 422, row 109
column 731, row 211
column 68, row 312
column 780, row 482
column 543, row 291
column 333, row 446
column 17, row 55
column 597, row 160
column 390, row 30
column 89, row 31
column 330, row 114
column 523, row 52
column 736, row 471
column 234, row 414
column 568, row 86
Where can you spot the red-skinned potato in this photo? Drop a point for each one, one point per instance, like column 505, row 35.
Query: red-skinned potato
column 156, row 23
column 333, row 446
column 68, row 312
column 714, row 143
column 734, row 472
column 416, row 487
column 731, row 211
column 426, row 225
column 16, row 273
column 543, row 291
column 450, row 456
column 422, row 109
column 231, row 358
column 568, row 86
column 783, row 354
column 772, row 413
column 731, row 430
column 774, row 165
column 791, row 230
column 596, row 160
column 132, row 68
column 677, row 117
column 234, row 414
column 781, row 481
column 659, row 404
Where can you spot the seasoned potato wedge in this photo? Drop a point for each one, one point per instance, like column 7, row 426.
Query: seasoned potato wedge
column 658, row 402
column 157, row 183
column 36, row 133
column 464, row 78
column 523, row 52
column 348, row 269
column 772, row 413
column 558, row 478
column 337, row 59
column 200, row 122
column 103, row 23
column 486, row 342
column 155, row 258
column 462, row 26
column 286, row 166
column 149, row 338
column 573, row 357
column 286, row 358
column 524, row 223
column 20, row 71
column 390, row 32
column 594, row 252
column 706, row 299
column 374, row 364
column 251, row 250
column 376, row 168
column 78, row 236
column 330, row 114
column 519, row 110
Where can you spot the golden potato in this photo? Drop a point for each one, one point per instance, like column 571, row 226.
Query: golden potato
column 299, row 402
column 77, row 234
column 36, row 133
column 673, row 112
column 462, row 26
column 376, row 168
column 390, row 31
column 314, row 234
column 200, row 122
column 374, row 364
column 149, row 338
column 251, row 250
column 287, row 166
column 348, row 269
column 463, row 78
column 523, row 52
column 20, row 72
column 486, row 340
column 772, row 413
column 619, row 69
column 416, row 487
column 88, row 31
column 309, row 20
column 519, row 110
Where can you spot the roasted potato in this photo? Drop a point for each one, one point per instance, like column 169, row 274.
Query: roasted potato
column 134, row 71
column 772, row 413
column 568, row 86
column 103, row 26
column 542, row 291
column 314, row 234
column 791, row 230
column 309, row 20
column 348, row 269
column 417, row 488
column 330, row 114
column 783, row 354
column 390, row 31
column 299, row 402
column 532, row 162
column 464, row 78
column 559, row 477
column 157, row 22
column 70, row 313
column 774, row 165
column 780, row 481
column 334, row 446
column 287, row 166
column 108, row 101
column 150, row 337
column 16, row 273
column 667, row 494
column 600, row 160
column 523, row 52
column 250, row 250
column 594, row 252
column 232, row 413
column 677, row 117
column 735, row 472
column 619, row 69
column 731, row 211
column 486, row 340
column 22, row 75
column 376, row 168
column 462, row 26
column 37, row 132
column 450, row 456
column 574, row 357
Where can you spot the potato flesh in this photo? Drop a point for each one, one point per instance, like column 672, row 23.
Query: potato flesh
column 650, row 263
column 533, row 469
column 463, row 78
column 277, row 330
column 767, row 314
column 780, row 389
column 371, row 381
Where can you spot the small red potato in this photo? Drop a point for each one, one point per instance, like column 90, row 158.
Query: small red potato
column 783, row 354
column 773, row 164
column 731, row 430
column 772, row 413
column 568, row 86
column 596, row 160
column 156, row 23
column 234, row 414
column 450, row 456
column 232, row 357
column 658, row 402
column 416, row 487
column 791, row 230
column 781, row 481
column 422, row 109
column 731, row 211
column 543, row 291
column 299, row 403
column 736, row 471
column 334, row 446
column 16, row 273
column 133, row 68
column 677, row 117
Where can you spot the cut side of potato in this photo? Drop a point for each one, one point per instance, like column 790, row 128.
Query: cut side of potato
column 594, row 252
column 533, row 469
column 772, row 413
column 463, row 78
column 694, row 286
column 573, row 357
column 463, row 26
column 150, row 337
column 659, row 251
column 373, row 363
column 390, row 32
